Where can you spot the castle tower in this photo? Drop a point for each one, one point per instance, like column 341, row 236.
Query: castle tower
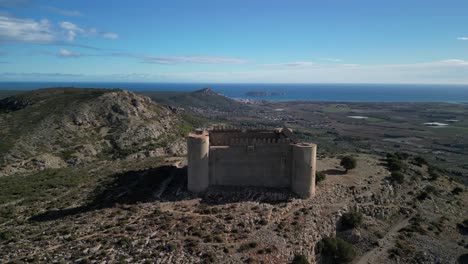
column 303, row 169
column 198, row 147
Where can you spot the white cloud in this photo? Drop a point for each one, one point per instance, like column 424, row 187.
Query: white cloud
column 190, row 59
column 331, row 59
column 450, row 71
column 73, row 30
column 462, row 38
column 455, row 62
column 72, row 13
column 64, row 53
column 295, row 64
column 27, row 30
column 70, row 26
column 110, row 35
column 42, row 31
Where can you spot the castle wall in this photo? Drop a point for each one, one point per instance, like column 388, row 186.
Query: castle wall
column 267, row 159
column 266, row 165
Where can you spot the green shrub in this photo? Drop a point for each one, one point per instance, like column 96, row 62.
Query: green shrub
column 5, row 236
column 397, row 177
column 423, row 195
column 320, row 176
column 431, row 189
column 351, row 220
column 348, row 163
column 394, row 165
column 247, row 246
column 335, row 250
column 402, row 155
column 419, row 161
column 433, row 173
column 391, row 156
column 171, row 247
column 300, row 259
column 457, row 190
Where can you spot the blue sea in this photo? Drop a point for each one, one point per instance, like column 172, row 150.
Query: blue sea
column 288, row 92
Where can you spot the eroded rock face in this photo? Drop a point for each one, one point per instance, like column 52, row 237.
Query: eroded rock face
column 113, row 125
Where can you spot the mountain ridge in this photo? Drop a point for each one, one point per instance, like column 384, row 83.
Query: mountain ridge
column 57, row 127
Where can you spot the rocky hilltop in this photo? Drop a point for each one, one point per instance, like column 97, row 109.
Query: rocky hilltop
column 89, row 177
column 59, row 127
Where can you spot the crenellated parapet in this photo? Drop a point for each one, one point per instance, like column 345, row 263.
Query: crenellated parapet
column 255, row 141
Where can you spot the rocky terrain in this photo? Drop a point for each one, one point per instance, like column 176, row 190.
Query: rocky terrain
column 146, row 215
column 99, row 176
column 55, row 128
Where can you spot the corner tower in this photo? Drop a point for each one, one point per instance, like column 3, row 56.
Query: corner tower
column 198, row 147
column 303, row 169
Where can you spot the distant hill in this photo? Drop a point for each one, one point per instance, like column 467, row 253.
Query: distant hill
column 205, row 98
column 58, row 127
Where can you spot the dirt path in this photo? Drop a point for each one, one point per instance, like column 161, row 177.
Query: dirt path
column 386, row 243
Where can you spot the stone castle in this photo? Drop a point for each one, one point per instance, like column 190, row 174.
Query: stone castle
column 229, row 156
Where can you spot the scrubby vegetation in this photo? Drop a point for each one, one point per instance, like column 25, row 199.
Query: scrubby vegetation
column 348, row 163
column 300, row 259
column 40, row 186
column 351, row 220
column 457, row 190
column 320, row 176
column 394, row 162
column 397, row 177
column 335, row 250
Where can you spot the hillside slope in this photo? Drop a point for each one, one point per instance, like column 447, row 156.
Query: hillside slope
column 58, row 127
column 205, row 99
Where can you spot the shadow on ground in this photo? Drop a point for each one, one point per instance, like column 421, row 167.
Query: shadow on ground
column 163, row 184
column 129, row 187
column 334, row 172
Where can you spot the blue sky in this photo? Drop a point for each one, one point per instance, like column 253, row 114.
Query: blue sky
column 336, row 41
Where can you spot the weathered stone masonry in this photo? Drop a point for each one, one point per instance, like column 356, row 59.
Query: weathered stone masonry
column 229, row 156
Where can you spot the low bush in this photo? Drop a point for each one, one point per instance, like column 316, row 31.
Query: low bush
column 419, row 161
column 351, row 220
column 397, row 177
column 422, row 196
column 300, row 259
column 433, row 173
column 335, row 250
column 394, row 165
column 320, row 176
column 457, row 190
column 402, row 155
column 247, row 246
column 348, row 163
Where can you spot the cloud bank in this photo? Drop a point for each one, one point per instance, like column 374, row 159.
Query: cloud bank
column 190, row 59
column 43, row 31
column 452, row 71
column 289, row 64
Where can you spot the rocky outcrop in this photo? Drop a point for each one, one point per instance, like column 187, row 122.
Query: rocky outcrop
column 114, row 125
column 13, row 104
